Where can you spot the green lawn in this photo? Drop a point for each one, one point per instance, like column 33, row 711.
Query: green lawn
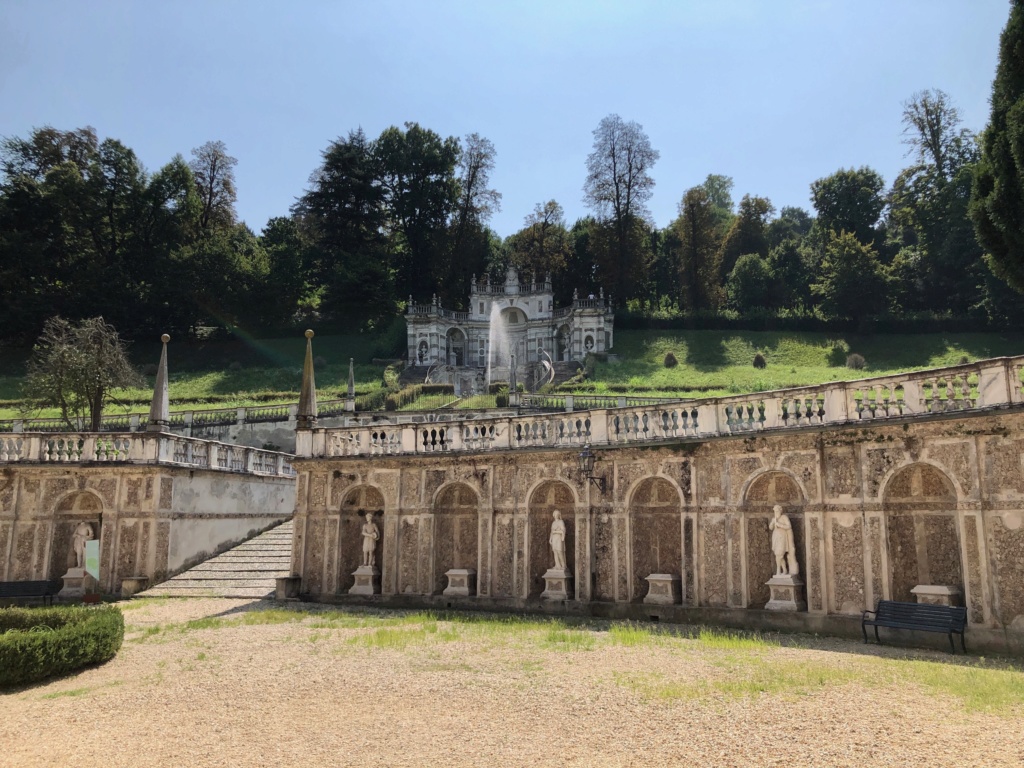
column 256, row 372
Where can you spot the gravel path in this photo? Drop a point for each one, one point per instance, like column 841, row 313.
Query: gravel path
column 324, row 691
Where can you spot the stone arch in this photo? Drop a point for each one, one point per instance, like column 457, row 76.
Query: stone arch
column 762, row 493
column 355, row 504
column 456, row 350
column 456, row 510
column 545, row 498
column 922, row 534
column 563, row 343
column 76, row 507
column 655, row 518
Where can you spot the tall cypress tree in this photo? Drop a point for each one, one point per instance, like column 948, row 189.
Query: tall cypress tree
column 997, row 199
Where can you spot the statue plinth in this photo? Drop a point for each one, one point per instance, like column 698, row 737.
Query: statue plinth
column 557, row 584
column 787, row 593
column 938, row 594
column 461, row 582
column 367, row 581
column 664, row 589
column 74, row 583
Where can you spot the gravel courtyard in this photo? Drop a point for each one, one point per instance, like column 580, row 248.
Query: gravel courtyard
column 215, row 682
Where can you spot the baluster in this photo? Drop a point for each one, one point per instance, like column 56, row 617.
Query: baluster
column 935, row 394
column 965, row 389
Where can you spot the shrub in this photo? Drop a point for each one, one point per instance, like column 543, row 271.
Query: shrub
column 964, row 360
column 855, row 362
column 149, row 369
column 37, row 643
column 319, row 363
column 235, row 366
column 670, row 360
column 501, row 398
column 759, row 362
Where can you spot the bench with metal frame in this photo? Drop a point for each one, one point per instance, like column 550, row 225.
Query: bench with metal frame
column 948, row 619
column 30, row 590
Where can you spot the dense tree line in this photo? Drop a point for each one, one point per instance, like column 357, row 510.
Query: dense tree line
column 86, row 230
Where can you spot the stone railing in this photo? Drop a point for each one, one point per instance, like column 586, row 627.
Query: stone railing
column 141, row 448
column 987, row 384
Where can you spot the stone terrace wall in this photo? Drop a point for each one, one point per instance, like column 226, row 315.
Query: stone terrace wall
column 876, row 509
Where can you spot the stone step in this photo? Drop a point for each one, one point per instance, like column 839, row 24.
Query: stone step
column 248, row 570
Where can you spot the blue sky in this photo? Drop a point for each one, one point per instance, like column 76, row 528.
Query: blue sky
column 775, row 94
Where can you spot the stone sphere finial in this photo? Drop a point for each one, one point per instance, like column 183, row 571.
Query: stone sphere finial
column 165, row 338
column 309, row 333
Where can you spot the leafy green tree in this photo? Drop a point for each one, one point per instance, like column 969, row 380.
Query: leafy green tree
column 997, row 201
column 341, row 220
column 699, row 251
column 791, row 266
column 420, row 194
column 719, row 190
column 748, row 231
column 214, row 172
column 750, row 283
column 850, row 200
column 76, row 367
column 543, row 246
column 617, row 188
column 852, row 283
column 792, row 223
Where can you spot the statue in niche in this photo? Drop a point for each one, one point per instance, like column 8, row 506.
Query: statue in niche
column 370, row 535
column 83, row 533
column 557, row 540
column 782, row 544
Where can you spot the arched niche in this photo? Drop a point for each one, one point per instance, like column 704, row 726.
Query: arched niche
column 456, row 526
column 922, row 534
column 655, row 509
column 455, row 347
column 545, row 499
column 763, row 493
column 356, row 502
column 75, row 508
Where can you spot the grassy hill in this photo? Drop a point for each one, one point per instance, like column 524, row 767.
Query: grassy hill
column 250, row 372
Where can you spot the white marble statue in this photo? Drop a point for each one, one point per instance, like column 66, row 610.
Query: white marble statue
column 782, row 544
column 83, row 533
column 557, row 540
column 370, row 536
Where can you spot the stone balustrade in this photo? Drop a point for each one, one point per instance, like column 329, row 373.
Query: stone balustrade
column 141, row 448
column 987, row 384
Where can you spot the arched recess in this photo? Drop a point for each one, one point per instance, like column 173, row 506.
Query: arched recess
column 763, row 493
column 356, row 502
column 922, row 534
column 655, row 514
column 455, row 347
column 456, row 527
column 75, row 508
column 545, row 499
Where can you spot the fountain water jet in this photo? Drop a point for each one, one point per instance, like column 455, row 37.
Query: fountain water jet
column 498, row 341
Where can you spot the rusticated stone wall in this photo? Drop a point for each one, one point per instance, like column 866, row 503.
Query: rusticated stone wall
column 150, row 520
column 876, row 510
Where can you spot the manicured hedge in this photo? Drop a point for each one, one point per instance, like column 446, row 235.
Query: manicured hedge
column 36, row 643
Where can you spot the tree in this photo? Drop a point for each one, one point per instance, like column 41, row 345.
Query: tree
column 792, row 223
column 931, row 128
column 849, row 201
column 719, row 190
column 214, row 171
column 699, row 251
column 75, row 367
column 997, row 198
column 852, row 282
column 747, row 233
column 420, row 193
column 617, row 188
column 750, row 284
column 341, row 221
column 543, row 246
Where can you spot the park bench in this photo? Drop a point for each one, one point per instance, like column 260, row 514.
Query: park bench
column 29, row 590
column 947, row 619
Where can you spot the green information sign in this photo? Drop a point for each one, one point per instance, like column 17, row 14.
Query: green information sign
column 92, row 558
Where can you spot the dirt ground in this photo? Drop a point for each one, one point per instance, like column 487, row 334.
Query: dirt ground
column 241, row 686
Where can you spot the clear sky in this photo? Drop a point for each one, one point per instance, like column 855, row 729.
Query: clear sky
column 773, row 93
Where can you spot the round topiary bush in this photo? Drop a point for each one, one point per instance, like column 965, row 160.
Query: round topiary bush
column 37, row 643
column 856, row 362
column 670, row 360
column 760, row 362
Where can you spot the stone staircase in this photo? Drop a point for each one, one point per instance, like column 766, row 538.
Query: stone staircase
column 248, row 570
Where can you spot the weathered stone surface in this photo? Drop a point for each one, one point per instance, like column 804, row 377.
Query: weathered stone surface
column 714, row 581
column 814, row 591
column 848, row 564
column 956, row 459
column 840, row 472
column 655, row 521
column 975, row 598
column 1008, row 538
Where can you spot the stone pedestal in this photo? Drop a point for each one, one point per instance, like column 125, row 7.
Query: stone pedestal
column 132, row 585
column 461, row 582
column 664, row 589
column 367, row 581
column 74, row 584
column 938, row 594
column 787, row 593
column 557, row 585
column 287, row 587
